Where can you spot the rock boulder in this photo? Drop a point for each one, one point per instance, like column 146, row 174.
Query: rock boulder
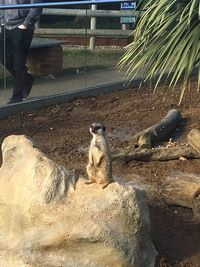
column 49, row 218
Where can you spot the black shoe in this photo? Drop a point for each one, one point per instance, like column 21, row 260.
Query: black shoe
column 14, row 101
column 28, row 85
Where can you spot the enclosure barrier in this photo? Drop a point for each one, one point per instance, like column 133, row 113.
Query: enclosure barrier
column 60, row 74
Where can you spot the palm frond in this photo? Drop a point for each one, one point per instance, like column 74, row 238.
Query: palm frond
column 166, row 39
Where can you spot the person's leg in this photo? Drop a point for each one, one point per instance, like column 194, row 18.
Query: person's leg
column 28, row 85
column 6, row 51
column 21, row 40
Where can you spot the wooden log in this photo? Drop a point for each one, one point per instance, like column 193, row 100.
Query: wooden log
column 193, row 139
column 158, row 154
column 157, row 132
column 182, row 189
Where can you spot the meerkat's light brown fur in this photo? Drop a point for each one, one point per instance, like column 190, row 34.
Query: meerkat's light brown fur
column 99, row 168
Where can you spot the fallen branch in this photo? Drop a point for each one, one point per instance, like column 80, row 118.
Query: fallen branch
column 158, row 154
column 157, row 132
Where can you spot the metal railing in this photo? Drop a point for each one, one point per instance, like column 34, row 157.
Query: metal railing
column 61, row 4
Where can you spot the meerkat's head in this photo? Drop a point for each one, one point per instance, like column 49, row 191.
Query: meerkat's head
column 97, row 129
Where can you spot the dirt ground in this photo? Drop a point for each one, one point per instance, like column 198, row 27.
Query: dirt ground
column 61, row 131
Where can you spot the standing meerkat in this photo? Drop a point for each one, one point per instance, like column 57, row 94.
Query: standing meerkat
column 99, row 168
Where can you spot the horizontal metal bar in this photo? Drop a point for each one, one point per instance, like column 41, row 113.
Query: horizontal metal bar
column 90, row 13
column 62, row 4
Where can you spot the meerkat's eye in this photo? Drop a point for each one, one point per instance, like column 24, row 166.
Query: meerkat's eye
column 96, row 128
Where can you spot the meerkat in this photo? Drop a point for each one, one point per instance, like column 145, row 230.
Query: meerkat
column 99, row 168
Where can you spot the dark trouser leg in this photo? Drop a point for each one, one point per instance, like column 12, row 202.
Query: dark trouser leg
column 6, row 51
column 21, row 40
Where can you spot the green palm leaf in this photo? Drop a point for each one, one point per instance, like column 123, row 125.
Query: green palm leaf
column 166, row 39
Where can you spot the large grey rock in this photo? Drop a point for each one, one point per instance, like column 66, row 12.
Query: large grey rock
column 48, row 219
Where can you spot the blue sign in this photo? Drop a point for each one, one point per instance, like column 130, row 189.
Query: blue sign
column 128, row 5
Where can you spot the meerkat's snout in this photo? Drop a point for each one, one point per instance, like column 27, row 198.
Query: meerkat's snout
column 97, row 128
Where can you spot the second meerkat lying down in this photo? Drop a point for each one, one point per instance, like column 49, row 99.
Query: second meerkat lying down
column 99, row 168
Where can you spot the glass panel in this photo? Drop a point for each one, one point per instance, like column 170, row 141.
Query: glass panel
column 71, row 51
column 6, row 79
column 62, row 65
column 105, row 50
column 56, row 59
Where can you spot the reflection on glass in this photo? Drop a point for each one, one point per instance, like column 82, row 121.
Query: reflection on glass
column 17, row 32
column 61, row 56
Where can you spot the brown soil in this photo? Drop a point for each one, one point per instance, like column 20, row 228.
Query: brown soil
column 62, row 133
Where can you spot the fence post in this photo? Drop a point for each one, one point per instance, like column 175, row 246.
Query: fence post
column 124, row 27
column 92, row 27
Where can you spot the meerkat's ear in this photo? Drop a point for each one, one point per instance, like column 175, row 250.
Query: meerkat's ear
column 104, row 128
